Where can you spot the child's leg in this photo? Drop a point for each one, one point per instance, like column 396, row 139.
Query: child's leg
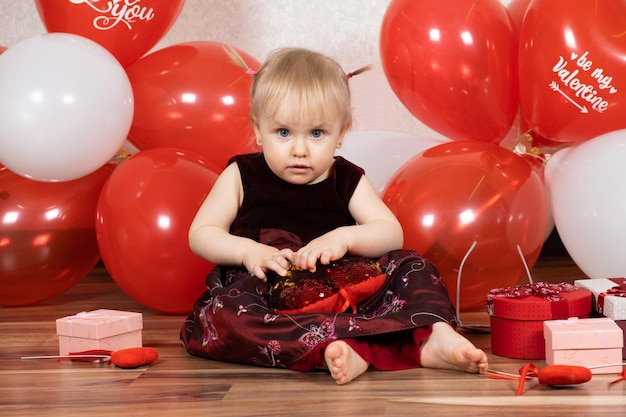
column 435, row 346
column 343, row 362
column 447, row 349
column 349, row 358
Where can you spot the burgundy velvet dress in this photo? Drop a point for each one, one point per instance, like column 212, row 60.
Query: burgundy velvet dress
column 233, row 322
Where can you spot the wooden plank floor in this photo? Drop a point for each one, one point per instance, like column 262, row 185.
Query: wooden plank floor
column 182, row 385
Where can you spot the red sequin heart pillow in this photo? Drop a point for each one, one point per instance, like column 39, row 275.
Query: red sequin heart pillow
column 331, row 288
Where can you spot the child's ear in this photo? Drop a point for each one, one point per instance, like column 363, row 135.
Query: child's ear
column 346, row 128
column 342, row 136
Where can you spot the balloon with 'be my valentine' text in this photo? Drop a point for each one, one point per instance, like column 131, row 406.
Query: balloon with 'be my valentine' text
column 571, row 68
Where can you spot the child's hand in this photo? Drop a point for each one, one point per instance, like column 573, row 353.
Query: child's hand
column 265, row 258
column 326, row 248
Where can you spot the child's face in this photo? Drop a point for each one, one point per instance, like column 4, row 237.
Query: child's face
column 299, row 151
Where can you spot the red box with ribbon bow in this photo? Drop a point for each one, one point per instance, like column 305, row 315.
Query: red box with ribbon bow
column 517, row 314
column 99, row 329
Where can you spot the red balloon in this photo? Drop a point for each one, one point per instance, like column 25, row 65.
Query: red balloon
column 453, row 64
column 572, row 52
column 458, row 193
column 47, row 239
column 191, row 96
column 517, row 10
column 143, row 216
column 126, row 28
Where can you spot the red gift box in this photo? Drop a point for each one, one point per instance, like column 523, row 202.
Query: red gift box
column 517, row 314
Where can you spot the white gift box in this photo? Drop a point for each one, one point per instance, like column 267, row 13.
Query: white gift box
column 609, row 295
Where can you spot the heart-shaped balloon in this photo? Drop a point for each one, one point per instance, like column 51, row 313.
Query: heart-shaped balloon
column 452, row 63
column 126, row 28
column 572, row 81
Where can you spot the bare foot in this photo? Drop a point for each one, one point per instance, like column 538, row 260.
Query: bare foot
column 447, row 349
column 343, row 362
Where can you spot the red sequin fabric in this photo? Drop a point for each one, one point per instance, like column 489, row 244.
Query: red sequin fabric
column 302, row 288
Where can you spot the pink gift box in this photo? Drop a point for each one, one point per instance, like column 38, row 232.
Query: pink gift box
column 622, row 325
column 585, row 342
column 99, row 329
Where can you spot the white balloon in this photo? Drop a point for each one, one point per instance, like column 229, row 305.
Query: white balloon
column 382, row 153
column 588, row 198
column 66, row 106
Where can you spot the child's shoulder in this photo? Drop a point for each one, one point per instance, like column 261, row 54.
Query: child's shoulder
column 246, row 158
column 342, row 165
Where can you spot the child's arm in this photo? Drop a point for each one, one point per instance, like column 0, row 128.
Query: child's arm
column 209, row 235
column 377, row 232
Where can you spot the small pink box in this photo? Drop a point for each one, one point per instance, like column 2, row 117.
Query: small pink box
column 99, row 329
column 584, row 342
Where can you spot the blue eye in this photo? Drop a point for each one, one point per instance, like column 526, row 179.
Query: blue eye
column 317, row 133
column 283, row 133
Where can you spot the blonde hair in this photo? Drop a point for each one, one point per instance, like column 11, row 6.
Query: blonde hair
column 313, row 84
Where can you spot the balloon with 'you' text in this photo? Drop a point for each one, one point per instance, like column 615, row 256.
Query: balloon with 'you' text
column 127, row 28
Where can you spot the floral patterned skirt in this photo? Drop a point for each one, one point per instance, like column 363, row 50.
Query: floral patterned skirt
column 232, row 321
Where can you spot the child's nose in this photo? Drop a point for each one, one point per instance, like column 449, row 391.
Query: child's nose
column 299, row 147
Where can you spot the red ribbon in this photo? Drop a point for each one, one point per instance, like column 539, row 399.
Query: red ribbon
column 528, row 370
column 622, row 377
column 551, row 375
column 618, row 291
column 540, row 289
column 551, row 292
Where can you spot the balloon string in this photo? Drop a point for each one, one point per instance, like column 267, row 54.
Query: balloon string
column 520, row 148
column 458, row 283
column 460, row 273
column 500, row 375
column 521, row 255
